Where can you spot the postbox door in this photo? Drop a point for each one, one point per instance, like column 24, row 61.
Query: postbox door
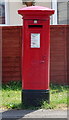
column 36, row 59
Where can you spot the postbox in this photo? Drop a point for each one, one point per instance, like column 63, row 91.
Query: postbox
column 35, row 54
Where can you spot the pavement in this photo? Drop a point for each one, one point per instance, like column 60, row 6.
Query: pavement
column 33, row 114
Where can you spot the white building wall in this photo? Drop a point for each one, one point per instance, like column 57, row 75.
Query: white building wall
column 14, row 18
column 45, row 4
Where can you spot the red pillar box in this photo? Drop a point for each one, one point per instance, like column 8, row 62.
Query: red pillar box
column 35, row 54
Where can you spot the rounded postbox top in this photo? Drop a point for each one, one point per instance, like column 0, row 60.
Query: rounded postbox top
column 36, row 10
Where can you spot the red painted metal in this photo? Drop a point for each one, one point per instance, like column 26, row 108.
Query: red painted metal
column 36, row 10
column 36, row 61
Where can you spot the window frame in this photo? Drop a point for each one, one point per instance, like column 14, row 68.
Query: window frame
column 54, row 17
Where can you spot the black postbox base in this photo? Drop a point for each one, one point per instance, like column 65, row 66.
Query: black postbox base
column 34, row 97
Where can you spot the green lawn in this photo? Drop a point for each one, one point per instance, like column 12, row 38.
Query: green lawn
column 58, row 97
column 11, row 96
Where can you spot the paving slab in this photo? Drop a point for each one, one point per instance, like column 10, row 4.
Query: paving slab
column 41, row 113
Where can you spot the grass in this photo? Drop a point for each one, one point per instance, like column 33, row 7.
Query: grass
column 58, row 97
column 11, row 97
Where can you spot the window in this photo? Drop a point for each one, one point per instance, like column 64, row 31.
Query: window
column 61, row 12
column 2, row 12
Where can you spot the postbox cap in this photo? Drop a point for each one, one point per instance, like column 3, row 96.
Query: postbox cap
column 36, row 10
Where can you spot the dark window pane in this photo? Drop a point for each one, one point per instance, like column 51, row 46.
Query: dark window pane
column 2, row 13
